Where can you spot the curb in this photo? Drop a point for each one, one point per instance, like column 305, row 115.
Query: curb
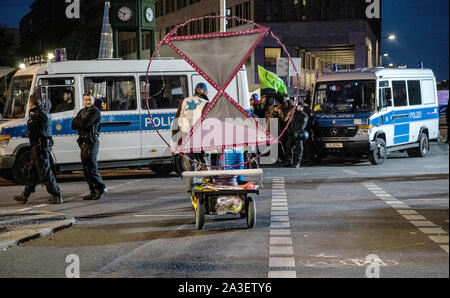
column 22, row 234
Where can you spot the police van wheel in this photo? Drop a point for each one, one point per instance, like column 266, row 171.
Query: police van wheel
column 379, row 155
column 423, row 148
column 21, row 167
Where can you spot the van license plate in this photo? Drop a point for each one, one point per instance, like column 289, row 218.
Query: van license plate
column 334, row 145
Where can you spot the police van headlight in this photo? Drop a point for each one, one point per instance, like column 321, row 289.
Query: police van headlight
column 4, row 141
column 364, row 130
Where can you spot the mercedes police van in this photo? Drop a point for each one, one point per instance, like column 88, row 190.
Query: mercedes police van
column 372, row 112
column 127, row 138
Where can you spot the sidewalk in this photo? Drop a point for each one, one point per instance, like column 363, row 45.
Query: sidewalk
column 17, row 227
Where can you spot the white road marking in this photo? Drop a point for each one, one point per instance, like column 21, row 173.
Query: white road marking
column 24, row 209
column 279, row 218
column 423, row 223
column 282, row 274
column 280, row 232
column 279, row 208
column 414, row 217
column 281, row 262
column 39, row 206
column 425, row 226
column 279, row 225
column 279, row 213
column 407, row 212
column 439, row 239
column 281, row 250
column 432, row 231
column 281, row 240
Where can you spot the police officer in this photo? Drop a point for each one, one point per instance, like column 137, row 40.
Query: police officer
column 296, row 136
column 40, row 136
column 87, row 122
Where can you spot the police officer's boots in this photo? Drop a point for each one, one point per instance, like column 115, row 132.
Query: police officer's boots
column 23, row 197
column 56, row 199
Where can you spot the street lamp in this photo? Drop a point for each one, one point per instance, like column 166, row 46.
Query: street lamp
column 390, row 37
column 21, row 65
column 385, row 55
column 50, row 56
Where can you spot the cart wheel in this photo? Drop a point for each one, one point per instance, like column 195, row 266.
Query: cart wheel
column 200, row 216
column 250, row 212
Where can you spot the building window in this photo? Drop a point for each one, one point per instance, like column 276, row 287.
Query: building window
column 273, row 10
column 230, row 22
column 181, row 4
column 325, row 10
column 242, row 11
column 170, row 5
column 159, row 9
column 195, row 27
column 271, row 55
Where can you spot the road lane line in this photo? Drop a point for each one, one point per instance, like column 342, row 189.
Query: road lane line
column 39, row 206
column 425, row 226
column 279, row 218
column 24, row 209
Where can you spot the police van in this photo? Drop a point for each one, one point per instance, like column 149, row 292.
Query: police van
column 128, row 137
column 372, row 112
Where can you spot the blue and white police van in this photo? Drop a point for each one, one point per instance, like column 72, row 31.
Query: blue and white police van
column 128, row 138
column 372, row 112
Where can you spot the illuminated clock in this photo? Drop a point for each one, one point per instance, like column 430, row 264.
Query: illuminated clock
column 149, row 15
column 124, row 14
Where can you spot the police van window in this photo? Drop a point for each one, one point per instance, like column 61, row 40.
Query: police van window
column 18, row 99
column 117, row 93
column 384, row 96
column 58, row 94
column 415, row 97
column 428, row 92
column 163, row 92
column 400, row 99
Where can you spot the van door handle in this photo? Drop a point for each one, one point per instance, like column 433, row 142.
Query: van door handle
column 117, row 123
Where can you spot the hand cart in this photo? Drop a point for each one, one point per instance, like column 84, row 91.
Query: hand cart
column 204, row 201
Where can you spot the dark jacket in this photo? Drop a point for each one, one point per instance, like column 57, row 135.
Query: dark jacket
column 39, row 127
column 298, row 123
column 87, row 122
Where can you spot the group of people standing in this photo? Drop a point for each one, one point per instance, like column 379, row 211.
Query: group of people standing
column 295, row 123
column 87, row 123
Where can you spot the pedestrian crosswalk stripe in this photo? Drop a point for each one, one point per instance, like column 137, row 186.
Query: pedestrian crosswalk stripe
column 282, row 274
column 280, row 240
column 281, row 262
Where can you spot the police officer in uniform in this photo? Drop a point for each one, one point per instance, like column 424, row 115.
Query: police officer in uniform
column 297, row 134
column 40, row 136
column 87, row 122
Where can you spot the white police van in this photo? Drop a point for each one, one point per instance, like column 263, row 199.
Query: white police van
column 372, row 112
column 128, row 138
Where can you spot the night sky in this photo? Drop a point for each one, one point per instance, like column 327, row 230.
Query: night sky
column 422, row 29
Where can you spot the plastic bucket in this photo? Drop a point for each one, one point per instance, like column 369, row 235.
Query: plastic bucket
column 234, row 157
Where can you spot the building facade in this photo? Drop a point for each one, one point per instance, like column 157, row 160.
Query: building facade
column 324, row 33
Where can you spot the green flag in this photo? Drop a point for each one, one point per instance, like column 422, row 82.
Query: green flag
column 270, row 80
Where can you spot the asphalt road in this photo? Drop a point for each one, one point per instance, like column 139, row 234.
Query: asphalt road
column 322, row 221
